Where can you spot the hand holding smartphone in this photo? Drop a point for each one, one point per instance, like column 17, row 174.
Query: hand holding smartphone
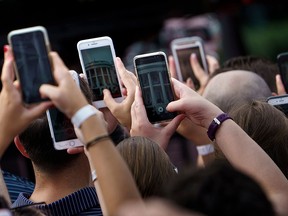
column 30, row 47
column 155, row 83
column 282, row 61
column 61, row 128
column 97, row 58
column 182, row 48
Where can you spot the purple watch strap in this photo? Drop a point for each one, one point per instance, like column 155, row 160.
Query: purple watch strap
column 213, row 127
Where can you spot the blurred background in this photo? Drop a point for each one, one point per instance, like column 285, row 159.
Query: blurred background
column 228, row 28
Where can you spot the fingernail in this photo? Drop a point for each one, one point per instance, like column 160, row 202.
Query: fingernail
column 5, row 48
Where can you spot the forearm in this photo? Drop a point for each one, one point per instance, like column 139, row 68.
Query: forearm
column 113, row 175
column 244, row 153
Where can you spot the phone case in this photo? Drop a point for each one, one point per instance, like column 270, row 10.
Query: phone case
column 97, row 58
column 155, row 82
column 182, row 48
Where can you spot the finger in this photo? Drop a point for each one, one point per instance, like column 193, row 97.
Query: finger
column 173, row 125
column 76, row 150
column 198, row 70
column 279, row 85
column 61, row 71
column 7, row 76
column 109, row 100
column 213, row 63
column 172, row 67
column 189, row 83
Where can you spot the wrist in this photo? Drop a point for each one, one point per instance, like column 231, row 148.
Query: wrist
column 205, row 149
column 83, row 114
column 215, row 125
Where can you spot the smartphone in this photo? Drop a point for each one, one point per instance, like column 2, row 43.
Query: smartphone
column 280, row 102
column 282, row 61
column 155, row 82
column 97, row 58
column 61, row 129
column 30, row 47
column 181, row 49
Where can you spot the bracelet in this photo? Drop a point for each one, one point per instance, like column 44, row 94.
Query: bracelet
column 82, row 114
column 205, row 149
column 213, row 127
column 93, row 175
column 97, row 139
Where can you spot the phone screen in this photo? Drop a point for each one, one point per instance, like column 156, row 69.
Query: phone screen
column 32, row 62
column 154, row 80
column 185, row 65
column 283, row 68
column 100, row 71
column 280, row 102
column 62, row 126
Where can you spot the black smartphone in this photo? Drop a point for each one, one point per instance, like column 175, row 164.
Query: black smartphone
column 282, row 60
column 30, row 47
column 155, row 82
column 280, row 102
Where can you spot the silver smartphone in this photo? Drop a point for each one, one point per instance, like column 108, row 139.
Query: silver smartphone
column 97, row 58
column 30, row 47
column 155, row 82
column 61, row 129
column 282, row 61
column 280, row 102
column 181, row 49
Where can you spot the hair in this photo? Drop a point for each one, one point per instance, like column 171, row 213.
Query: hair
column 232, row 88
column 38, row 143
column 267, row 126
column 259, row 65
column 218, row 189
column 148, row 162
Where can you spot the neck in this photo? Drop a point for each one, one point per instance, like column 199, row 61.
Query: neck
column 50, row 187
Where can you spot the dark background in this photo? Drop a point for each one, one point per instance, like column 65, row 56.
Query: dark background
column 248, row 27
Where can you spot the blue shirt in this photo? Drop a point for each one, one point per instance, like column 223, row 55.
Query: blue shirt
column 82, row 202
column 17, row 184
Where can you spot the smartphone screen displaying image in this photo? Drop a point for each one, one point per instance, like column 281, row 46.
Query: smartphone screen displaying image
column 280, row 102
column 154, row 80
column 282, row 60
column 61, row 128
column 30, row 48
column 97, row 57
column 182, row 48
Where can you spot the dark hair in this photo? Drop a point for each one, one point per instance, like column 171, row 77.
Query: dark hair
column 148, row 162
column 38, row 143
column 218, row 189
column 267, row 126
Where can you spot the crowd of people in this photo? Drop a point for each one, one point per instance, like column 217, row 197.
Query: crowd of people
column 126, row 167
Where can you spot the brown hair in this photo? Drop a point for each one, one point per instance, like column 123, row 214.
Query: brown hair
column 148, row 162
column 267, row 126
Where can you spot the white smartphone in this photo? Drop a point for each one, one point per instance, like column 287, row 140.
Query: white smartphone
column 97, row 58
column 280, row 102
column 181, row 49
column 30, row 47
column 155, row 82
column 61, row 129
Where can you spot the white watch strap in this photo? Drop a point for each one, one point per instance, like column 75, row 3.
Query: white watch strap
column 205, row 149
column 82, row 114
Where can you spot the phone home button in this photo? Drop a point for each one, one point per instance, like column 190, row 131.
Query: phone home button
column 71, row 143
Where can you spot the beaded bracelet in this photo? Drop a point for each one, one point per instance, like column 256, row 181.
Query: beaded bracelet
column 96, row 140
column 215, row 124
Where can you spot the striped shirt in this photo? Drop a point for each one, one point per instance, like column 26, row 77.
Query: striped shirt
column 17, row 184
column 81, row 202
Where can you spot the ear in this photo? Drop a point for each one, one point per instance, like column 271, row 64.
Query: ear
column 20, row 147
